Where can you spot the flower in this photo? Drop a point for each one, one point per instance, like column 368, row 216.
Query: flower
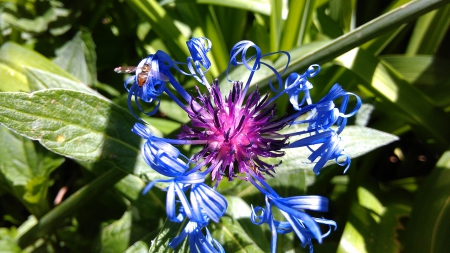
column 292, row 208
column 238, row 132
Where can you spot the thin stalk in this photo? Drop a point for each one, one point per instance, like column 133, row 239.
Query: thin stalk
column 366, row 32
column 51, row 221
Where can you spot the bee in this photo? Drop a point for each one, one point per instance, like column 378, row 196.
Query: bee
column 143, row 72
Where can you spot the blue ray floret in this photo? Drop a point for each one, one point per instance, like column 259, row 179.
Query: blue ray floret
column 241, row 137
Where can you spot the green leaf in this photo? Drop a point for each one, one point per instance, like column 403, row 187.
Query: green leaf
column 297, row 24
column 429, row 32
column 427, row 73
column 240, row 211
column 372, row 225
column 232, row 236
column 258, row 6
column 162, row 24
column 26, row 169
column 117, row 236
column 7, row 243
column 367, row 32
column 78, row 57
column 396, row 92
column 11, row 79
column 41, row 79
column 76, row 125
column 138, row 247
column 358, row 141
column 20, row 58
column 131, row 188
column 428, row 228
column 37, row 25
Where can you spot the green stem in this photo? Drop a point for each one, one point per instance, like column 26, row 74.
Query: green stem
column 49, row 222
column 366, row 32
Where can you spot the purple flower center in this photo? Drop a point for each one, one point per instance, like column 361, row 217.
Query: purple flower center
column 237, row 134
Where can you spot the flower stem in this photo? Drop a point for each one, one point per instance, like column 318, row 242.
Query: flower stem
column 51, row 221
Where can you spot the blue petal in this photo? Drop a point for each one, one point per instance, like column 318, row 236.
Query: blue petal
column 198, row 242
column 198, row 48
column 211, row 202
column 159, row 155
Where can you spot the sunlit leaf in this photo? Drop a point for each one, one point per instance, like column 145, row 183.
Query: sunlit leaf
column 76, row 125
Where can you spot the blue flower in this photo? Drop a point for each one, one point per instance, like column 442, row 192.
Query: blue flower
column 293, row 209
column 238, row 132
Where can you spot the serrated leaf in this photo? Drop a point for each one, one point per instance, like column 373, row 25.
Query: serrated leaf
column 76, row 125
column 78, row 57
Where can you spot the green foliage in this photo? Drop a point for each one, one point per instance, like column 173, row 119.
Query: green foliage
column 71, row 172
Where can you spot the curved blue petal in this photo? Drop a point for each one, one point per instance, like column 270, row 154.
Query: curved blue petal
column 210, row 201
column 159, row 155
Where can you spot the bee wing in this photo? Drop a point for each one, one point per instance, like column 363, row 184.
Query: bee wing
column 125, row 69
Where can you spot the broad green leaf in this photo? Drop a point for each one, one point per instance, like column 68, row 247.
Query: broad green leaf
column 358, row 229
column 427, row 229
column 78, row 57
column 26, row 169
column 20, row 58
column 232, row 236
column 117, row 236
column 76, row 125
column 41, row 79
column 12, row 80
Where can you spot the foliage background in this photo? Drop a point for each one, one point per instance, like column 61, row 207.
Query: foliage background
column 82, row 191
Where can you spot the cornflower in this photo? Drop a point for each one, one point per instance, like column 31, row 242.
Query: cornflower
column 238, row 132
